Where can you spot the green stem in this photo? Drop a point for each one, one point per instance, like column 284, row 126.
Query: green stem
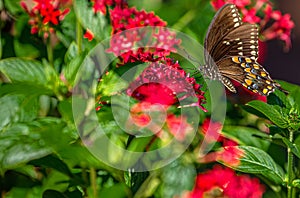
column 290, row 167
column 79, row 36
column 93, row 178
column 185, row 20
column 1, row 41
column 50, row 51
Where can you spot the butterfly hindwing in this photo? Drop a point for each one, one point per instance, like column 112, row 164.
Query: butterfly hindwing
column 249, row 73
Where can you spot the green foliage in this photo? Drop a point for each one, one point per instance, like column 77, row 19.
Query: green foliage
column 46, row 129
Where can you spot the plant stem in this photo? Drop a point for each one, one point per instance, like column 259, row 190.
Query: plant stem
column 79, row 36
column 50, row 51
column 184, row 20
column 93, row 178
column 290, row 167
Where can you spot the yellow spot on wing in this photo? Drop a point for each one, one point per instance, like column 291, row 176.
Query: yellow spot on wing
column 265, row 91
column 263, row 74
column 235, row 59
column 252, row 75
column 256, row 66
column 248, row 60
column 247, row 70
column 248, row 81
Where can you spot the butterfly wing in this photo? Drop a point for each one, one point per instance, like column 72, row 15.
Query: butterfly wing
column 231, row 53
column 247, row 72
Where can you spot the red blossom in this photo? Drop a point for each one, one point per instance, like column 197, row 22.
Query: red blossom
column 224, row 182
column 88, row 35
column 250, row 16
column 45, row 15
column 212, row 130
column 178, row 126
column 165, row 83
column 100, row 5
column 140, row 44
column 228, row 154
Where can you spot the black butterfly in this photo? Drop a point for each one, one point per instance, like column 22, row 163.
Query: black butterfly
column 231, row 53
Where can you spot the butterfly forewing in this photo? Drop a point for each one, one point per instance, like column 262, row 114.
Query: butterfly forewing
column 231, row 53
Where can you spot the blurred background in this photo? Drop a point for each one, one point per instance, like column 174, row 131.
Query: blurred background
column 285, row 65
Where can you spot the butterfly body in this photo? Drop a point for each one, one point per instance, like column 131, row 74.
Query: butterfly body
column 232, row 51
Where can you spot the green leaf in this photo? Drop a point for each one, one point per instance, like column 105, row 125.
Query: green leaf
column 177, row 178
column 51, row 161
column 247, row 136
column 70, row 71
column 257, row 161
column 17, row 108
column 21, row 70
column 96, row 22
column 53, row 194
column 28, row 89
column 117, row 191
column 294, row 90
column 294, row 147
column 22, row 142
column 269, row 111
column 13, row 6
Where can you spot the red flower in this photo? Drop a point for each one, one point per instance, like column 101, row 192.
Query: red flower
column 281, row 28
column 223, row 182
column 45, row 15
column 100, row 5
column 140, row 44
column 89, row 35
column 217, row 4
column 212, row 130
column 250, row 16
column 167, row 84
column 228, row 154
column 178, row 126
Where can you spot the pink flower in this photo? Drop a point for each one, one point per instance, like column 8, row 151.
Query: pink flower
column 224, row 182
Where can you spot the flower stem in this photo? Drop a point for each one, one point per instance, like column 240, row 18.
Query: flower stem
column 93, row 178
column 184, row 20
column 50, row 51
column 290, row 167
column 79, row 36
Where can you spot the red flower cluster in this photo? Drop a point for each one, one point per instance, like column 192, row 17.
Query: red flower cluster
column 145, row 116
column 45, row 15
column 140, row 44
column 224, row 182
column 228, row 154
column 166, row 83
column 273, row 24
column 100, row 5
column 163, row 84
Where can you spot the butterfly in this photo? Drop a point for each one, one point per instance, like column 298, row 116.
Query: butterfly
column 231, row 52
